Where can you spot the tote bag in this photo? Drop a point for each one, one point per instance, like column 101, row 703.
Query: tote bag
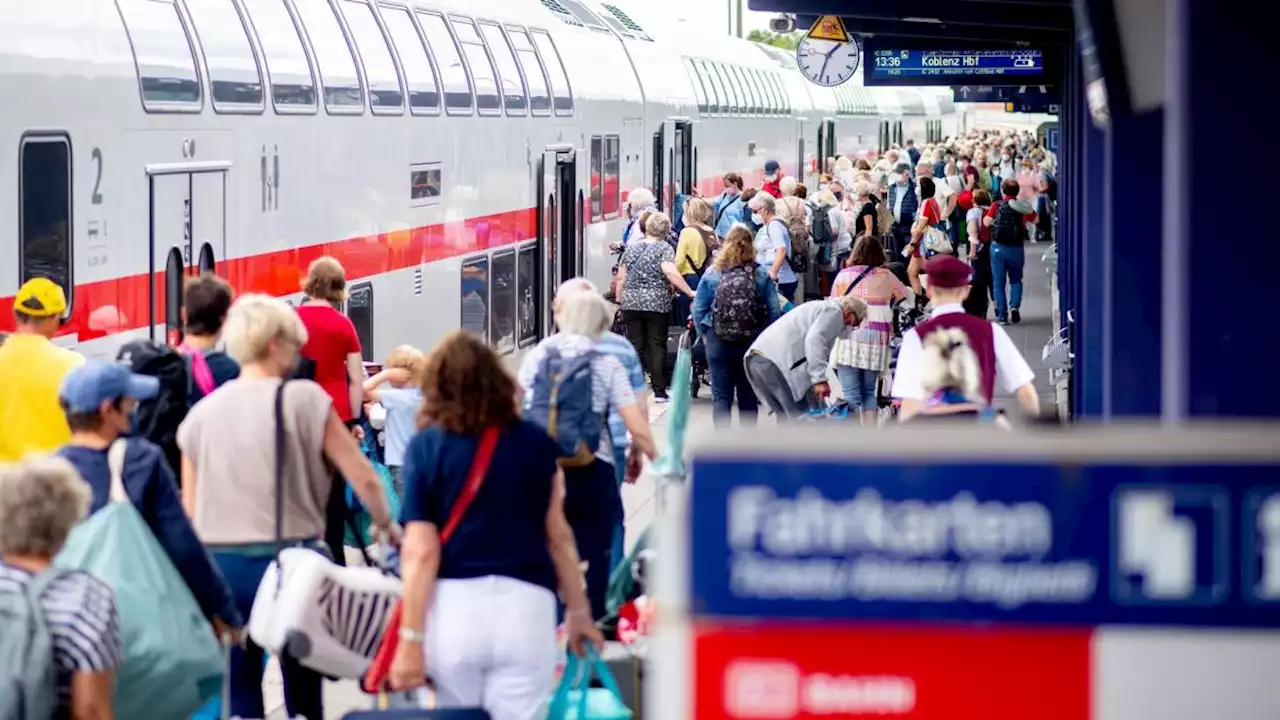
column 575, row 699
column 172, row 661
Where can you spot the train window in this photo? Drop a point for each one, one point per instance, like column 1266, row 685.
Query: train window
column 784, row 101
column 288, row 70
column 502, row 301
column 484, row 78
column 560, row 90
column 527, row 295
column 714, row 92
column 44, row 221
column 699, row 91
column 420, row 77
column 424, row 184
column 360, row 312
column 722, row 104
column 753, row 103
column 612, row 184
column 475, row 296
column 385, row 93
column 234, row 77
column 338, row 77
column 453, row 74
column 514, row 97
column 162, row 53
column 534, row 74
column 730, row 105
column 597, row 177
column 773, row 107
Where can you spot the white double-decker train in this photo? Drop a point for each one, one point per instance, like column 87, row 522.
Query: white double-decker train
column 459, row 158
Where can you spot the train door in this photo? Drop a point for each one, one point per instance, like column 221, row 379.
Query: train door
column 802, row 165
column 826, row 147
column 681, row 174
column 559, row 244
column 187, row 230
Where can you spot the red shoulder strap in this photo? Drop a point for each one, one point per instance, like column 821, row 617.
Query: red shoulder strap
column 475, row 478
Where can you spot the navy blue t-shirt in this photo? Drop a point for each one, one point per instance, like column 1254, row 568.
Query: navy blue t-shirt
column 223, row 369
column 504, row 530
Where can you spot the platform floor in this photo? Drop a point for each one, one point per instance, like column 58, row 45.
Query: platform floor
column 638, row 500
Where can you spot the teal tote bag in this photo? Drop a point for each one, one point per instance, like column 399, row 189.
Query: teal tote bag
column 575, row 699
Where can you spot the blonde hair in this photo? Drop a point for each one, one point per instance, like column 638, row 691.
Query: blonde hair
column 255, row 321
column 326, row 280
column 697, row 212
column 407, row 357
column 41, row 499
column 826, row 197
column 844, row 165
column 657, row 225
column 788, row 186
column 950, row 363
column 580, row 310
column 737, row 250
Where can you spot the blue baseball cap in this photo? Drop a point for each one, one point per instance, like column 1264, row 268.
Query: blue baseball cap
column 771, row 167
column 95, row 382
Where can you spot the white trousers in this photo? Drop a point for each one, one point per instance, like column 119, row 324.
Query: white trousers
column 491, row 643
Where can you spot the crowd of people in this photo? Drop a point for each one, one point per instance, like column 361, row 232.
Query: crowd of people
column 508, row 486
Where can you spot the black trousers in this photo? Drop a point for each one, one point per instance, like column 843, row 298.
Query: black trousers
column 335, row 519
column 647, row 331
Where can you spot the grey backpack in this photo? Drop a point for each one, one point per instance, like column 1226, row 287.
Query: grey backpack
column 28, row 679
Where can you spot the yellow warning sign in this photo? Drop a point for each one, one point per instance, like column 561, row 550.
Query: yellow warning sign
column 829, row 27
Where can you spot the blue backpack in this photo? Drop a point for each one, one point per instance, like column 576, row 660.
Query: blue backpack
column 562, row 405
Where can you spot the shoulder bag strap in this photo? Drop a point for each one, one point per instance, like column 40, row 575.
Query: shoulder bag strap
column 115, row 463
column 865, row 271
column 475, row 478
column 280, row 467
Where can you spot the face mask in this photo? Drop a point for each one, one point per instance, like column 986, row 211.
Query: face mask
column 839, row 196
column 755, row 218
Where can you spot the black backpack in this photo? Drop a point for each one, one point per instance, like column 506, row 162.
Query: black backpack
column 736, row 311
column 158, row 419
column 1008, row 227
column 821, row 231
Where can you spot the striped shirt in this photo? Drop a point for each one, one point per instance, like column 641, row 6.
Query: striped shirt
column 612, row 343
column 610, row 386
column 81, row 614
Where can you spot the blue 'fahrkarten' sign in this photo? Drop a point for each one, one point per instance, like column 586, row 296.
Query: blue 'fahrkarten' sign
column 983, row 540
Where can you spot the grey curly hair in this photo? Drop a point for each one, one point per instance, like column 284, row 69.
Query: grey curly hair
column 41, row 499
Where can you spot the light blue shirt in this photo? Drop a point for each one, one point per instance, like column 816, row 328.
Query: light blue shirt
column 402, row 409
column 614, row 344
column 772, row 236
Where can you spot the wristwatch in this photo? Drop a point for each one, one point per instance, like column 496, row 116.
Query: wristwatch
column 413, row 636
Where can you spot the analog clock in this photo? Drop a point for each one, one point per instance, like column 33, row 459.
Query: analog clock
column 828, row 63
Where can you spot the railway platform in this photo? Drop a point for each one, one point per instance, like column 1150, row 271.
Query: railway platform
column 638, row 500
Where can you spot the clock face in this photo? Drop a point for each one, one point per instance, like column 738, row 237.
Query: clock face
column 828, row 63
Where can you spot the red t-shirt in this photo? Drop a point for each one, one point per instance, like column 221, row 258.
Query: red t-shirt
column 774, row 188
column 330, row 339
column 932, row 214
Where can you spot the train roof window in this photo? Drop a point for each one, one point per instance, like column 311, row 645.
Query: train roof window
column 719, row 102
column 735, row 102
column 234, row 77
column 162, row 53
column 420, row 77
column 534, row 73
column 631, row 27
column 699, row 91
column 752, row 102
column 514, row 97
column 753, row 77
column 338, row 76
column 385, row 94
column 484, row 77
column 453, row 74
column 44, row 219
column 288, row 70
column 585, row 16
column 561, row 92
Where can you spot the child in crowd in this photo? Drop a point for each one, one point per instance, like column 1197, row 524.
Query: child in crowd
column 397, row 388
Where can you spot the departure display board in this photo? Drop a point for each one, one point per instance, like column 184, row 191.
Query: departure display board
column 905, row 66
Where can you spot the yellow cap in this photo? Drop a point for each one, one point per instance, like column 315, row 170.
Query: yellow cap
column 40, row 297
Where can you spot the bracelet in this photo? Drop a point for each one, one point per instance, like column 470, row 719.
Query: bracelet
column 413, row 636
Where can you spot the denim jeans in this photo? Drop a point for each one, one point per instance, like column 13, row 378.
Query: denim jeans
column 1006, row 266
column 859, row 387
column 729, row 376
column 302, row 686
column 681, row 303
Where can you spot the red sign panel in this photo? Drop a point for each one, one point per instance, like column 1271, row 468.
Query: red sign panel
column 782, row 670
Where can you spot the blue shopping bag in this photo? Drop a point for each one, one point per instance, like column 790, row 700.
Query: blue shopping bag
column 575, row 699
